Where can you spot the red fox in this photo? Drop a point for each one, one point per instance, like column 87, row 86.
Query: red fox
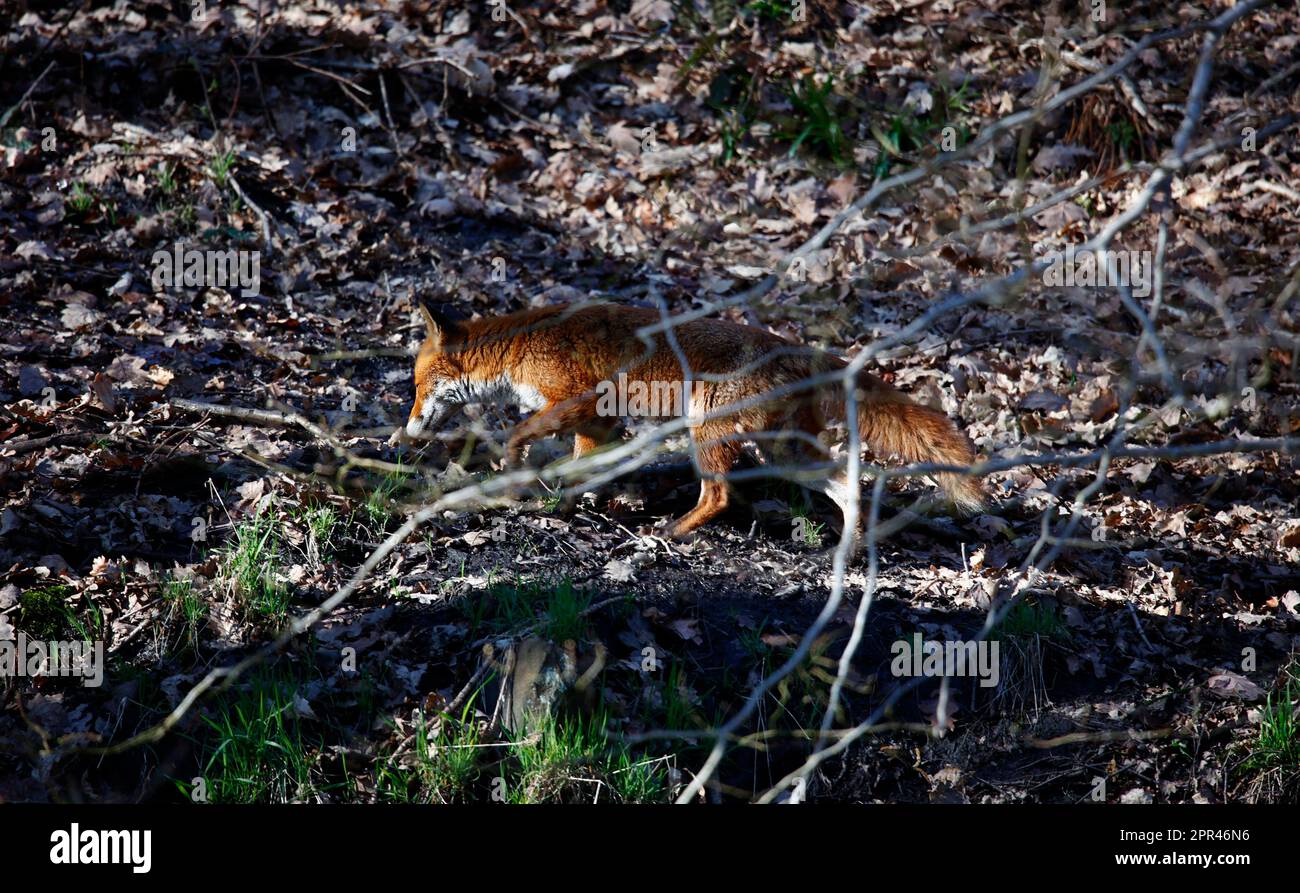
column 561, row 362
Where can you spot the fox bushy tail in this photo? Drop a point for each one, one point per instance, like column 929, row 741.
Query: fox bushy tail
column 891, row 424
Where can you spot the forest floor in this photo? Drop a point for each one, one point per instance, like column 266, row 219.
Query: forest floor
column 634, row 151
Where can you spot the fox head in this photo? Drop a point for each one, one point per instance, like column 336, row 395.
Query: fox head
column 439, row 375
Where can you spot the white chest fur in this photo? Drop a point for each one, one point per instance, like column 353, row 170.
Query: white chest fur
column 500, row 390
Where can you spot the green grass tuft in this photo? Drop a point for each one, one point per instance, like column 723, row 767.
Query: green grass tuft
column 252, row 563
column 443, row 765
column 252, row 747
column 816, row 120
column 1027, row 620
column 558, row 607
column 221, row 167
column 575, row 760
column 44, row 612
column 185, row 605
column 1278, row 743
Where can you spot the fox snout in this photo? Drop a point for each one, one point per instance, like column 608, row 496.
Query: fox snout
column 412, row 428
column 426, row 416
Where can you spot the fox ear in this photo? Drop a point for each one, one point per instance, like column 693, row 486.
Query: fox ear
column 439, row 324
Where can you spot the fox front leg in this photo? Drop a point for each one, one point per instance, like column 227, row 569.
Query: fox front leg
column 554, row 418
column 515, row 447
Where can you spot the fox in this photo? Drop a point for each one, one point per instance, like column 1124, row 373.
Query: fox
column 746, row 385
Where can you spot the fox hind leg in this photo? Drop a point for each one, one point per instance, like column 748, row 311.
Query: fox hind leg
column 807, row 451
column 716, row 454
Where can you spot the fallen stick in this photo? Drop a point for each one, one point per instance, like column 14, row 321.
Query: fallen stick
column 245, row 414
column 335, row 355
column 21, row 447
column 13, row 108
column 276, row 419
column 267, row 248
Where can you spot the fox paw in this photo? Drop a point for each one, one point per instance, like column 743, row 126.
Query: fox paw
column 676, row 530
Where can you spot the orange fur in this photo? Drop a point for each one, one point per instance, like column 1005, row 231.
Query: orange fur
column 555, row 357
